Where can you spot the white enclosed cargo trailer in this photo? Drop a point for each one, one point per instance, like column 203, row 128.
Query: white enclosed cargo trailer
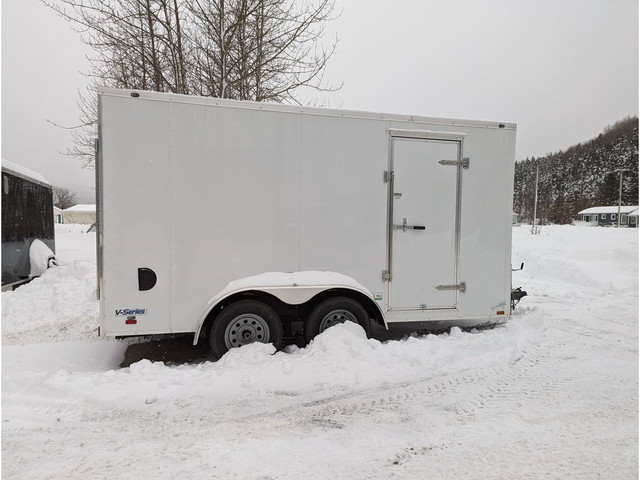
column 238, row 221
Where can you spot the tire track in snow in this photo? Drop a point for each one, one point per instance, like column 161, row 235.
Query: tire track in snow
column 542, row 377
column 334, row 411
column 542, row 367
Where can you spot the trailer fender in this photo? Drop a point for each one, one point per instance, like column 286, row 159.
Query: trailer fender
column 293, row 288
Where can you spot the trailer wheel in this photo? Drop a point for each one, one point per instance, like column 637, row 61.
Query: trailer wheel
column 334, row 311
column 242, row 323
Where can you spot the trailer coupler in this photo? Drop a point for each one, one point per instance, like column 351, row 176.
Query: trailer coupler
column 516, row 295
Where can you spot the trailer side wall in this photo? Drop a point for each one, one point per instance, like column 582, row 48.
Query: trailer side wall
column 207, row 191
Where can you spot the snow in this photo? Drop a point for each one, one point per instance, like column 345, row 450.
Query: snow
column 24, row 171
column 552, row 393
column 289, row 279
column 39, row 256
column 608, row 210
column 284, row 279
column 81, row 208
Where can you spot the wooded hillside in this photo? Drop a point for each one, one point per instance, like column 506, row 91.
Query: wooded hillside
column 582, row 176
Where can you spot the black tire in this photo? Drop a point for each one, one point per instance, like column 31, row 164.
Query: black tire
column 245, row 322
column 333, row 311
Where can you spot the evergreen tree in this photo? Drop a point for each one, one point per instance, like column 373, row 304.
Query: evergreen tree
column 582, row 176
column 609, row 190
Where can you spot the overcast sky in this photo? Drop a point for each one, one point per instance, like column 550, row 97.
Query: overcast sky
column 561, row 69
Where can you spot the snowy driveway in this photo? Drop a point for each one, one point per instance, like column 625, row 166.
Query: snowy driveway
column 551, row 394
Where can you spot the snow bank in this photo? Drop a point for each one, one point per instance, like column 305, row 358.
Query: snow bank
column 340, row 359
column 74, row 243
column 39, row 256
column 571, row 262
column 60, row 305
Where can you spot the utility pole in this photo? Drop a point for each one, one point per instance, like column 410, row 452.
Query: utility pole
column 620, row 192
column 535, row 204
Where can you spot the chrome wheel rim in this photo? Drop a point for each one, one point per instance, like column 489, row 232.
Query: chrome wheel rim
column 245, row 329
column 335, row 317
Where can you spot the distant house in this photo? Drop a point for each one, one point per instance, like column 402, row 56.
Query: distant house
column 85, row 214
column 608, row 216
column 57, row 215
column 515, row 220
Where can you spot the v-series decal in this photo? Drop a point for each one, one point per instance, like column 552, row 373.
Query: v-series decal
column 125, row 312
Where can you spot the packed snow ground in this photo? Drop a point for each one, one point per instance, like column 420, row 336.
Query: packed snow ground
column 553, row 393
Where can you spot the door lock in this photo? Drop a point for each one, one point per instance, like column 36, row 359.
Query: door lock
column 406, row 227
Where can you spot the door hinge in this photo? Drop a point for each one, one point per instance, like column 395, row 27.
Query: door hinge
column 386, row 276
column 388, row 176
column 464, row 163
column 461, row 287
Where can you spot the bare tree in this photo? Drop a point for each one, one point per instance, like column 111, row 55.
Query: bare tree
column 261, row 50
column 63, row 197
column 137, row 44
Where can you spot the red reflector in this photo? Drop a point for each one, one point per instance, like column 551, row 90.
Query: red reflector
column 131, row 321
column 500, row 312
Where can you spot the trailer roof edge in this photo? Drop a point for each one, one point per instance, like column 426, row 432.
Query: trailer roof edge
column 246, row 104
column 24, row 173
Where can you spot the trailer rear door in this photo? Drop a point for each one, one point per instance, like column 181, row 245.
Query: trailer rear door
column 425, row 192
column 134, row 215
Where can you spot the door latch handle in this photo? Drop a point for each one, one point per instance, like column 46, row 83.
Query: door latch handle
column 406, row 227
column 460, row 287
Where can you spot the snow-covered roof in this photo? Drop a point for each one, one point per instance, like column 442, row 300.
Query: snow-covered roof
column 81, row 208
column 24, row 172
column 634, row 214
column 56, row 209
column 606, row 210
